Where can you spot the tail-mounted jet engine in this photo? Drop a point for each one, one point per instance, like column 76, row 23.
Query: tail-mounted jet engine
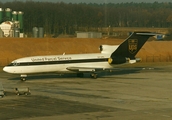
column 118, row 60
column 108, row 48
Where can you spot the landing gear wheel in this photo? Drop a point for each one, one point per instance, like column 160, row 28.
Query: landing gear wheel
column 23, row 79
column 94, row 75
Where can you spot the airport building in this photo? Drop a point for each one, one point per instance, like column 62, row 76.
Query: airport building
column 11, row 23
column 89, row 35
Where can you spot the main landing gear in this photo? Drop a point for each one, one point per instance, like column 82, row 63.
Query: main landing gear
column 92, row 75
column 23, row 77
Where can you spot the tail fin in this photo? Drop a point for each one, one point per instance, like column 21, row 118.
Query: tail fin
column 130, row 47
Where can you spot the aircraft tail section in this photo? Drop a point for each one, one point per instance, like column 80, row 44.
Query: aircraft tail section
column 130, row 47
column 126, row 51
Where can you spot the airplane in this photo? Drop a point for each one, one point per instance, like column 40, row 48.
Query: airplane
column 107, row 59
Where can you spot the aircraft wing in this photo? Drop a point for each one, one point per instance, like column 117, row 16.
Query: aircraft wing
column 89, row 69
column 84, row 69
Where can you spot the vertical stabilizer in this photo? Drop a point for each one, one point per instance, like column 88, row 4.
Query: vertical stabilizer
column 130, row 47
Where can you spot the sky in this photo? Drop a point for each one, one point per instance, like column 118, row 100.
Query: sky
column 93, row 1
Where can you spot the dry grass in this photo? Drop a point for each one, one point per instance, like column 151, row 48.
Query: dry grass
column 12, row 48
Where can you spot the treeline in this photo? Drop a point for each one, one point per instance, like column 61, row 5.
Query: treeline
column 57, row 18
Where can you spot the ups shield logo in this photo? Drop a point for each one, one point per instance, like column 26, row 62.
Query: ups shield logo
column 132, row 45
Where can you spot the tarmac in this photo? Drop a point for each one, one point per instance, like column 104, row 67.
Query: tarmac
column 138, row 92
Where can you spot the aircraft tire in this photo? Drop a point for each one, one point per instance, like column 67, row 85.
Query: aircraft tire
column 23, row 79
column 94, row 75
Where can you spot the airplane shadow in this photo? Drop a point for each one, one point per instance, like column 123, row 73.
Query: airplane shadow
column 119, row 72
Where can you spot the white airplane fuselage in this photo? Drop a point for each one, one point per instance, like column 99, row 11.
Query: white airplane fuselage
column 36, row 64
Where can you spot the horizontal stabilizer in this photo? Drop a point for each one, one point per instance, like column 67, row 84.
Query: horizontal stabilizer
column 148, row 33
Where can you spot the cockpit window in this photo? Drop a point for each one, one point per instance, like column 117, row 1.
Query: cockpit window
column 16, row 64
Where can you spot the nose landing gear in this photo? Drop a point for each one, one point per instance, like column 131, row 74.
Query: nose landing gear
column 23, row 77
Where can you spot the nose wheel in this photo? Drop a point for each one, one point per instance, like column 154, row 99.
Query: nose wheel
column 23, row 77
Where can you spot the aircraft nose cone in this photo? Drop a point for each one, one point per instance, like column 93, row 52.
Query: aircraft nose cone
column 5, row 69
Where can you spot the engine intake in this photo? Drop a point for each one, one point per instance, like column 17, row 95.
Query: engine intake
column 118, row 60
